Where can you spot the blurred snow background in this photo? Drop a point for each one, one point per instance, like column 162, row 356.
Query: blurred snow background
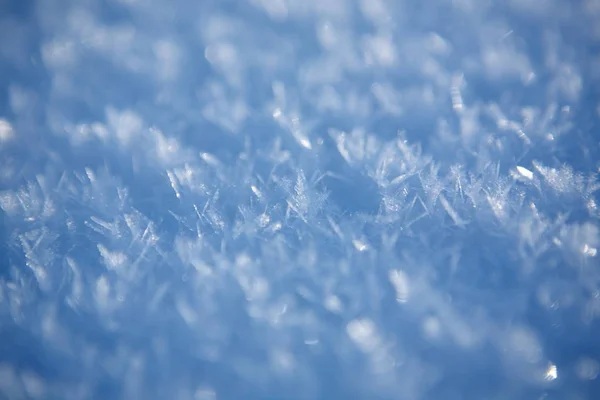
column 299, row 199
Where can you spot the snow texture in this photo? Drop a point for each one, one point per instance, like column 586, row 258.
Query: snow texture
column 299, row 199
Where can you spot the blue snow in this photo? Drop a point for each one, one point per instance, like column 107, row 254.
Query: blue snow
column 299, row 199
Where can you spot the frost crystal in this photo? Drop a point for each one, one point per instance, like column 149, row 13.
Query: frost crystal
column 275, row 199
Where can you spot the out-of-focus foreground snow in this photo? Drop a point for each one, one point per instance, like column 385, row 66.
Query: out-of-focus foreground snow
column 299, row 199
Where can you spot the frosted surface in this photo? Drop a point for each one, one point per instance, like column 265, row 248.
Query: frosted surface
column 299, row 199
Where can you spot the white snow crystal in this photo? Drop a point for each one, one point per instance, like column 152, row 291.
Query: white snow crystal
column 525, row 172
column 6, row 131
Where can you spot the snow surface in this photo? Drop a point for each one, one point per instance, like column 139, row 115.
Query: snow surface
column 299, row 199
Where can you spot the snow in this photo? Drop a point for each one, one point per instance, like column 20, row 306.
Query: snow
column 299, row 199
column 6, row 131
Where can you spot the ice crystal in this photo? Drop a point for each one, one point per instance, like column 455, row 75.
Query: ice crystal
column 299, row 199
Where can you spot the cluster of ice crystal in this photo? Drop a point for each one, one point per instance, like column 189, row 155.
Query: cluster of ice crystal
column 299, row 199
